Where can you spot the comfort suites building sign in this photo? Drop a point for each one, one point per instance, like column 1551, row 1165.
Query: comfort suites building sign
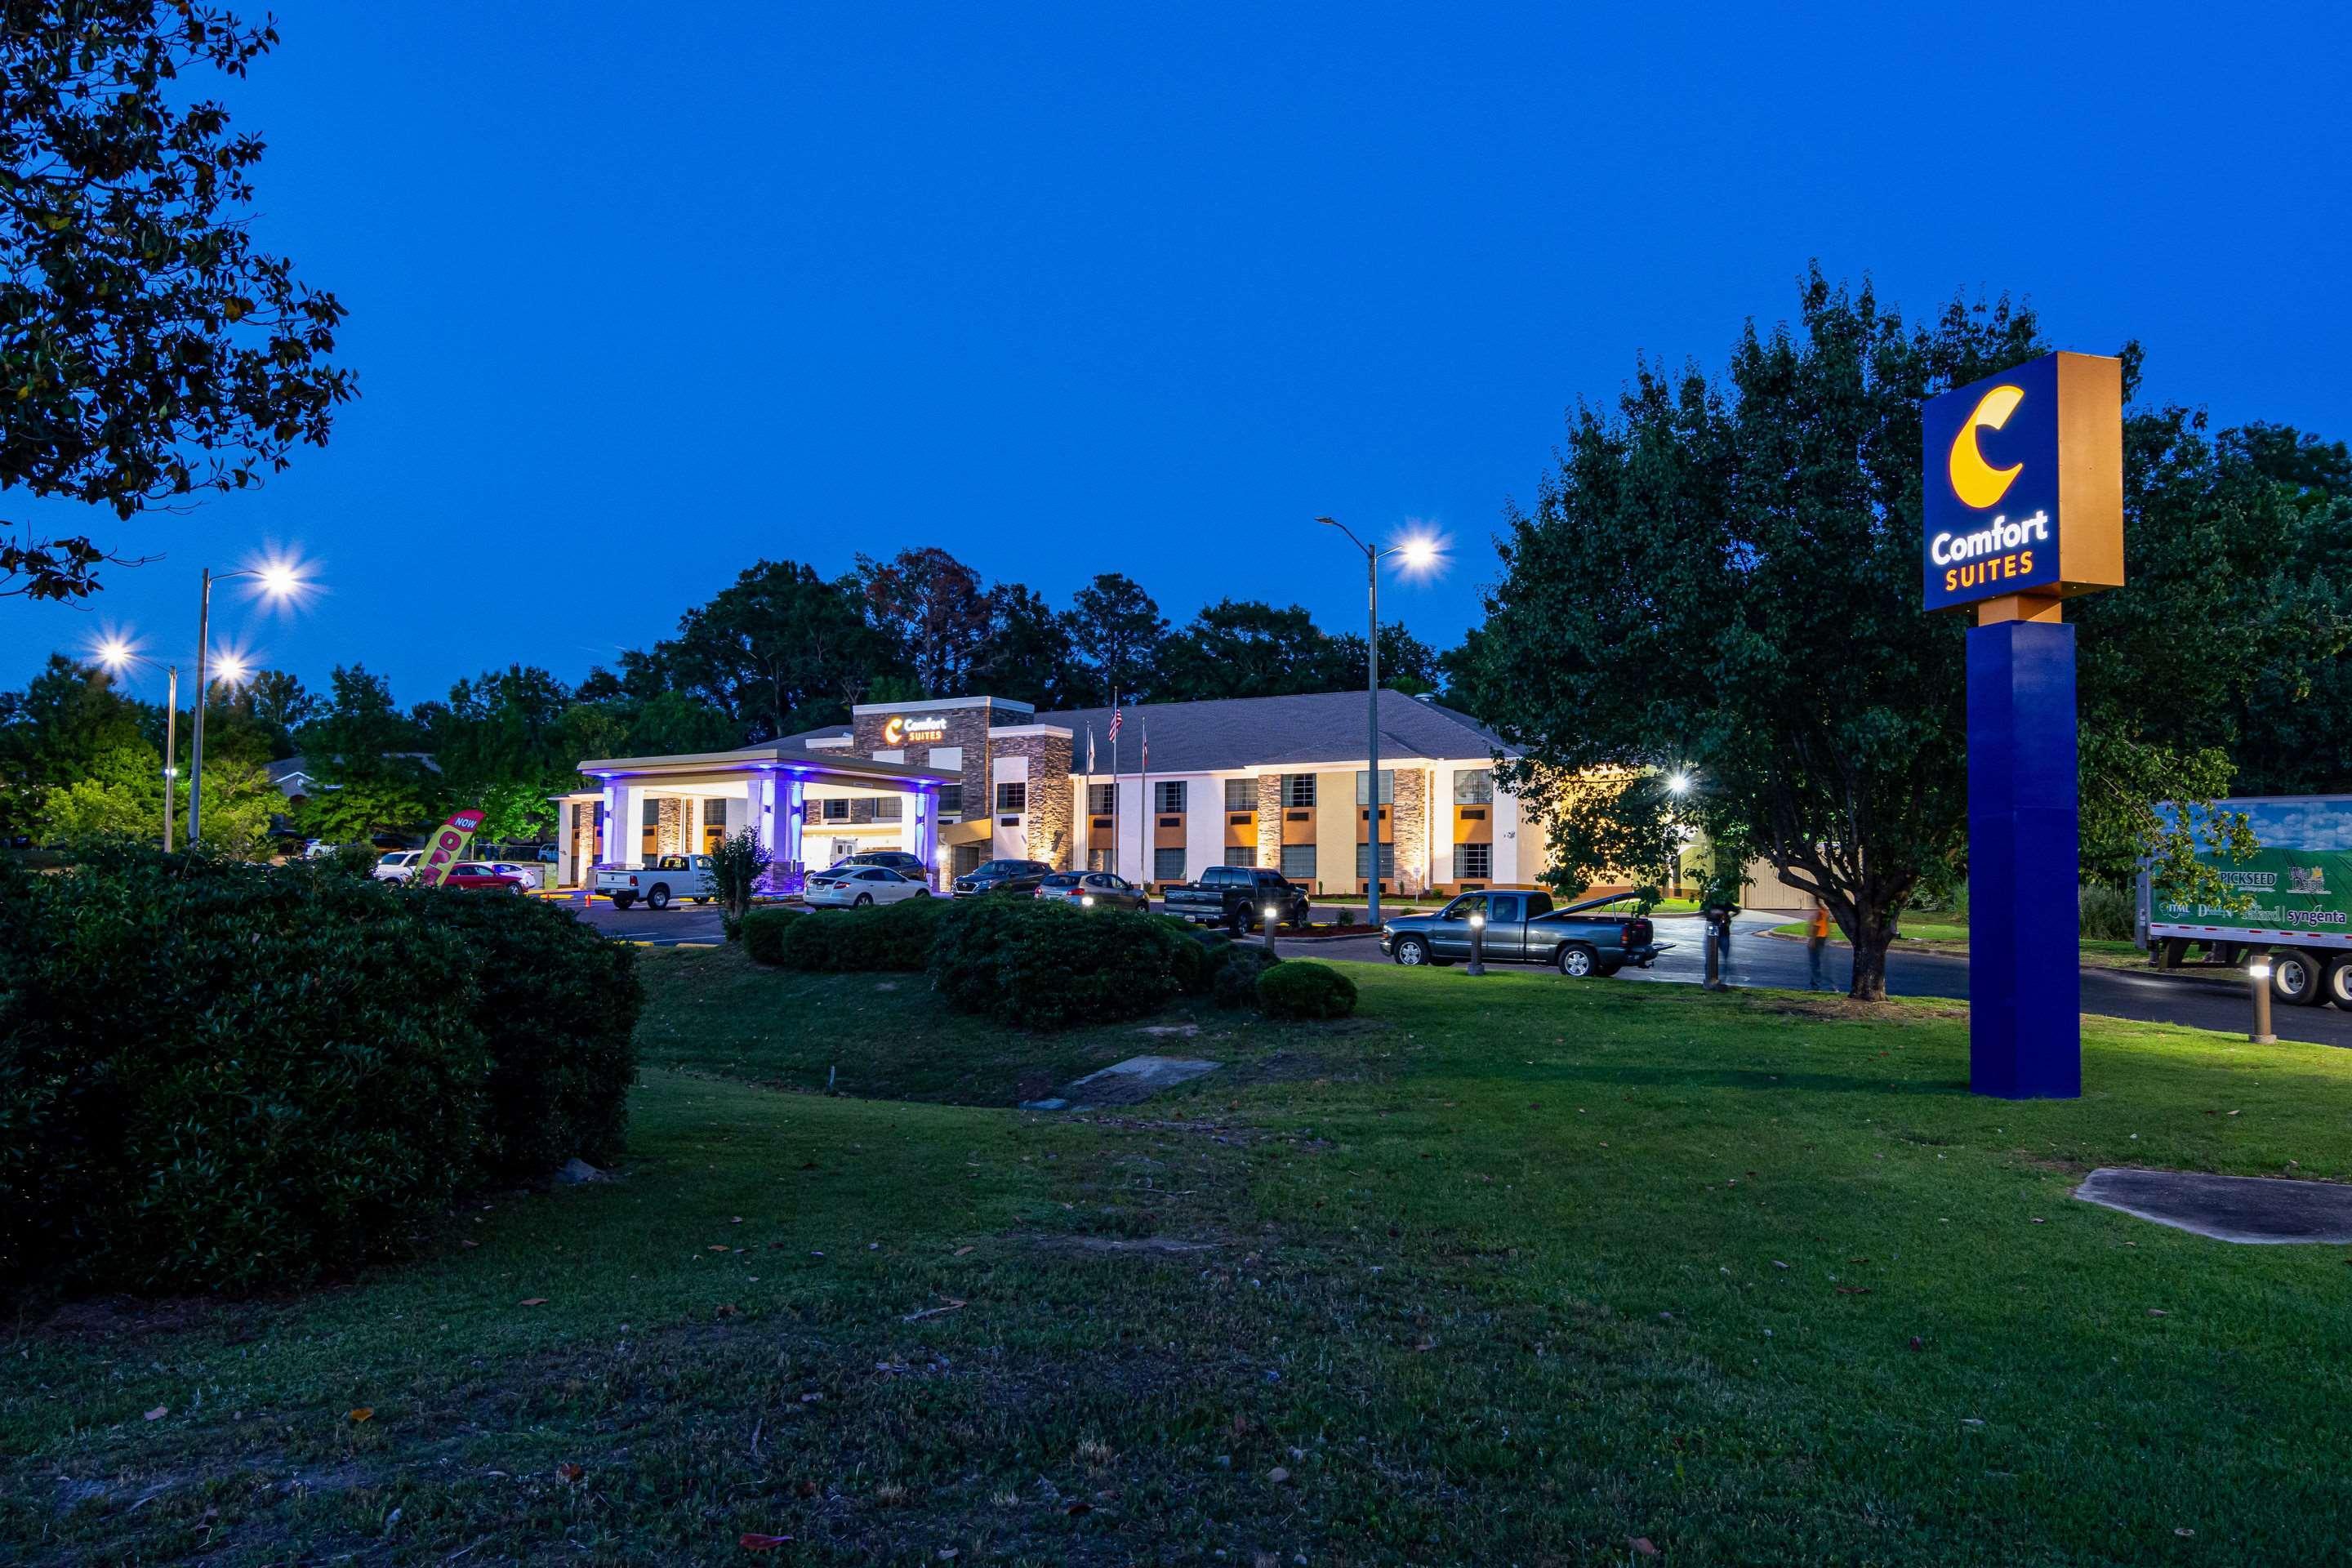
column 921, row 728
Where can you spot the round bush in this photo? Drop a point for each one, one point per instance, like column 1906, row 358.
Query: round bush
column 1304, row 989
column 226, row 1076
column 1195, row 965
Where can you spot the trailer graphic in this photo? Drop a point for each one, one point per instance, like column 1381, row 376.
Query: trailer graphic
column 2299, row 888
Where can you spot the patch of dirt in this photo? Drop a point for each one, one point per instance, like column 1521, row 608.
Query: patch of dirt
column 129, row 1317
column 1145, row 1245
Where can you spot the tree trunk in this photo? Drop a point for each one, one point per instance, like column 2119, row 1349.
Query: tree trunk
column 1872, row 931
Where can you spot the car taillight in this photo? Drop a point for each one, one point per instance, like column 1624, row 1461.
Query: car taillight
column 1635, row 934
column 633, row 881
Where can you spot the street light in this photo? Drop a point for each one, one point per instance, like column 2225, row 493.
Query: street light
column 1419, row 553
column 279, row 579
column 114, row 653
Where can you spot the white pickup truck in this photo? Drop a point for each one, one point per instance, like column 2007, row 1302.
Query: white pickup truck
column 670, row 876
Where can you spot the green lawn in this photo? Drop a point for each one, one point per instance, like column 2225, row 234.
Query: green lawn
column 1749, row 1276
column 1929, row 936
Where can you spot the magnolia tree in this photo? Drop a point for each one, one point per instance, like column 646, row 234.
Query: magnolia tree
column 1710, row 622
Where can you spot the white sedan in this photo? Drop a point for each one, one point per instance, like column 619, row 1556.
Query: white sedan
column 399, row 865
column 852, row 887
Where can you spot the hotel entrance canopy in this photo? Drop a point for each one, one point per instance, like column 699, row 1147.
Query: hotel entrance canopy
column 777, row 782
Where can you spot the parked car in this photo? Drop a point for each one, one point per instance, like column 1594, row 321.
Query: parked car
column 479, row 874
column 397, row 866
column 1523, row 928
column 670, row 878
column 1234, row 897
column 897, row 861
column 851, row 887
column 1002, row 876
column 1094, row 889
column 528, row 876
column 549, row 854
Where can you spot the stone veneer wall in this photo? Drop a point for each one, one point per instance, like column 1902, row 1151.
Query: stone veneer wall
column 1409, row 828
column 1269, row 820
column 966, row 727
column 1052, row 792
column 669, row 826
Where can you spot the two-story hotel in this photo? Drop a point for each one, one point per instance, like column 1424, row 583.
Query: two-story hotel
column 1268, row 781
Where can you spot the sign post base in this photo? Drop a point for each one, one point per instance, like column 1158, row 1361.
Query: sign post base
column 2025, row 982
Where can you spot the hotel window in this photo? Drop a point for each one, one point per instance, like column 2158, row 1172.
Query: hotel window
column 1102, row 800
column 1388, row 861
column 1168, row 863
column 714, row 825
column 891, row 809
column 1298, row 862
column 1474, row 786
column 1474, row 862
column 1240, row 795
column 1388, row 787
column 1102, row 859
column 950, row 801
column 837, row 810
column 1168, row 796
column 1298, row 789
column 1240, row 855
column 1011, row 797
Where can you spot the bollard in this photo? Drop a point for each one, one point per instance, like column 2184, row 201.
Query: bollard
column 1714, row 981
column 1477, row 945
column 1273, row 914
column 2258, row 975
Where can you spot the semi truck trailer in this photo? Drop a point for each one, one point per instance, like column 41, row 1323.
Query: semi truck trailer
column 2297, row 888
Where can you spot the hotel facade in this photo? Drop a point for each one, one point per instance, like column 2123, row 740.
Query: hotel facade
column 1279, row 782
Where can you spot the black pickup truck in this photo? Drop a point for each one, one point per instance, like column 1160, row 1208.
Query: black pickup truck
column 1523, row 928
column 1234, row 895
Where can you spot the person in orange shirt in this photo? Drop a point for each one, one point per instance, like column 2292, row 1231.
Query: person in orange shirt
column 1817, row 939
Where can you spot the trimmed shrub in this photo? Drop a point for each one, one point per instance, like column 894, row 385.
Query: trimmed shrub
column 559, row 1013
column 1305, row 989
column 1050, row 966
column 879, row 937
column 763, row 934
column 1195, row 965
column 225, row 1077
column 1234, row 984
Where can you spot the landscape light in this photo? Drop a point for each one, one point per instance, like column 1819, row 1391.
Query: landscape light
column 2259, row 967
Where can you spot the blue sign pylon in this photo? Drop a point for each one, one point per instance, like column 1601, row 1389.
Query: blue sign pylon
column 2025, row 981
column 2023, row 510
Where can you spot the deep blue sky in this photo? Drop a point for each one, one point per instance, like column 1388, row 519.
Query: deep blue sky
column 640, row 294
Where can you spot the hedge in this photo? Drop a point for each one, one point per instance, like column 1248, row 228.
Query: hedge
column 1305, row 989
column 878, row 937
column 226, row 1076
column 1043, row 965
column 763, row 934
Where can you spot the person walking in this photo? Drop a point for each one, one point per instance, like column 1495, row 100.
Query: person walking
column 1817, row 939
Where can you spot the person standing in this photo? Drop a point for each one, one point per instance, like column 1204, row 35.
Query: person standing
column 1817, row 939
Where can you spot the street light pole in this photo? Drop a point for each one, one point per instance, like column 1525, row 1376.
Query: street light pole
column 114, row 653
column 1417, row 552
column 196, row 741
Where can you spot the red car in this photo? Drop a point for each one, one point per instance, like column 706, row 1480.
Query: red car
column 474, row 874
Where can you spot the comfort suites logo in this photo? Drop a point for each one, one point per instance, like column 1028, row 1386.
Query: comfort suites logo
column 1992, row 491
column 898, row 729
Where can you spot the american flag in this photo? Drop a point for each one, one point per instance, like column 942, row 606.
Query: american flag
column 1116, row 718
column 1146, row 745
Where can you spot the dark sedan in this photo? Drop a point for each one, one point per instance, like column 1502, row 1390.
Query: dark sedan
column 1002, row 876
column 897, row 860
column 1094, row 891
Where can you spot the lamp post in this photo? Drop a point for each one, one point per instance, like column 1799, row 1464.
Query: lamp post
column 1419, row 553
column 1477, row 964
column 1268, row 917
column 2258, row 978
column 279, row 580
column 116, row 653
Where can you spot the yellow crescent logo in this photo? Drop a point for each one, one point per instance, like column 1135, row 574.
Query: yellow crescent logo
column 1976, row 482
column 894, row 729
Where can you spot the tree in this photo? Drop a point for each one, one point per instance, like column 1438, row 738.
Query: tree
column 54, row 732
column 1723, row 579
column 1026, row 653
column 1407, row 663
column 1244, row 647
column 368, row 761
column 929, row 605
column 779, row 651
column 149, row 350
column 122, row 797
column 278, row 699
column 1115, row 628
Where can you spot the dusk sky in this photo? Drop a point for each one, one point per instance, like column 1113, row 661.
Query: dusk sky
column 639, row 295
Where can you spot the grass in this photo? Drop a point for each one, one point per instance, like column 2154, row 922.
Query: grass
column 1751, row 1276
column 1931, row 936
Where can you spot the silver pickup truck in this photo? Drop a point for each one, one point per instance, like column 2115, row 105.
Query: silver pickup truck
column 670, row 877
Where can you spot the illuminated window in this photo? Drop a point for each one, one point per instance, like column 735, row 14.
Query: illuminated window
column 1474, row 786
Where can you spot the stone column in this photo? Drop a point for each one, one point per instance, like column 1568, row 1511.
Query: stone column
column 669, row 812
column 1269, row 820
column 1409, row 829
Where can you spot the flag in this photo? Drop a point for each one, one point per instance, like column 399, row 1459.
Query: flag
column 1090, row 748
column 1146, row 745
column 1117, row 719
column 448, row 846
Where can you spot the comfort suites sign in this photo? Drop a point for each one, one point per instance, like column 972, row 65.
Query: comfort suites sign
column 900, row 728
column 2024, row 491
